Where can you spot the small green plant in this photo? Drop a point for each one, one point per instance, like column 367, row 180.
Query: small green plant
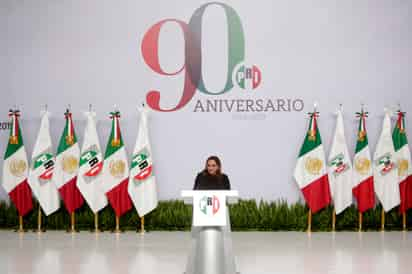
column 247, row 215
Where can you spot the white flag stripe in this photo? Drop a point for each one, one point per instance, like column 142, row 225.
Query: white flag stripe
column 304, row 178
column 10, row 181
column 404, row 154
column 109, row 181
column 358, row 177
column 62, row 177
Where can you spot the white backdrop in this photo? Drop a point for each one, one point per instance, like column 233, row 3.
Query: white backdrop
column 79, row 52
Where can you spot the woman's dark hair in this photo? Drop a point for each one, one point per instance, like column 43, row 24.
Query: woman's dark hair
column 218, row 163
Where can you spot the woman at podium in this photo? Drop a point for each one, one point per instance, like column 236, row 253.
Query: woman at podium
column 211, row 177
column 211, row 250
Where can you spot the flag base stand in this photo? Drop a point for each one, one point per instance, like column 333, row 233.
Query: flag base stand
column 117, row 229
column 360, row 221
column 20, row 229
column 39, row 231
column 383, row 220
column 142, row 231
column 72, row 228
column 333, row 220
column 309, row 221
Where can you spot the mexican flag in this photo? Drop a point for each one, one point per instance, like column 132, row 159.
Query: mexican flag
column 90, row 179
column 403, row 161
column 142, row 182
column 340, row 168
column 116, row 170
column 384, row 168
column 67, row 166
column 310, row 171
column 363, row 189
column 42, row 167
column 15, row 167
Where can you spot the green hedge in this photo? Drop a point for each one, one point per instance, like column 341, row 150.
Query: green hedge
column 247, row 215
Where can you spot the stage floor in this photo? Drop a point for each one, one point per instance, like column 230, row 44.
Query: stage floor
column 57, row 252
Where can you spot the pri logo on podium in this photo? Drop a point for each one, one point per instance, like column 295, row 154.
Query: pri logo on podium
column 209, row 205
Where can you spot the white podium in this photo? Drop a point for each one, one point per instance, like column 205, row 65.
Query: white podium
column 211, row 250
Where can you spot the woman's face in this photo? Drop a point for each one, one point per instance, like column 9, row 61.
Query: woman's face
column 212, row 167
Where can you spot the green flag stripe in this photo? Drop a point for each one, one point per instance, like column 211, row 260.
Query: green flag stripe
column 399, row 138
column 309, row 145
column 361, row 144
column 62, row 143
column 112, row 149
column 12, row 148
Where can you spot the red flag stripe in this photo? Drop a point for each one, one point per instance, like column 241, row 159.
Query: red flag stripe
column 365, row 194
column 22, row 198
column 317, row 194
column 119, row 198
column 71, row 195
column 405, row 188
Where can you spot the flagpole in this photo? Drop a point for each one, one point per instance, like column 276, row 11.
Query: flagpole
column 72, row 228
column 21, row 223
column 39, row 230
column 117, row 229
column 333, row 219
column 96, row 223
column 315, row 105
column 404, row 220
column 360, row 221
column 383, row 220
column 20, row 229
column 142, row 230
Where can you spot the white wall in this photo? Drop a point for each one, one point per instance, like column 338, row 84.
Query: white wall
column 81, row 52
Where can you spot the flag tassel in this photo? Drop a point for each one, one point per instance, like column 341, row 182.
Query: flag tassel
column 383, row 220
column 404, row 220
column 360, row 221
column 309, row 221
column 333, row 219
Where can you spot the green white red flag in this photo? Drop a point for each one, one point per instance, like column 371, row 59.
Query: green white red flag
column 116, row 169
column 403, row 161
column 310, row 171
column 67, row 166
column 15, row 168
column 363, row 188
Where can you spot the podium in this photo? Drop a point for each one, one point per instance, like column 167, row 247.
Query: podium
column 211, row 247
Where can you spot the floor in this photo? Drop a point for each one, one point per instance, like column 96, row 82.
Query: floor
column 165, row 252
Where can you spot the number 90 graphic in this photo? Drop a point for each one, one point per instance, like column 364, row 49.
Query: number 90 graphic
column 192, row 67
